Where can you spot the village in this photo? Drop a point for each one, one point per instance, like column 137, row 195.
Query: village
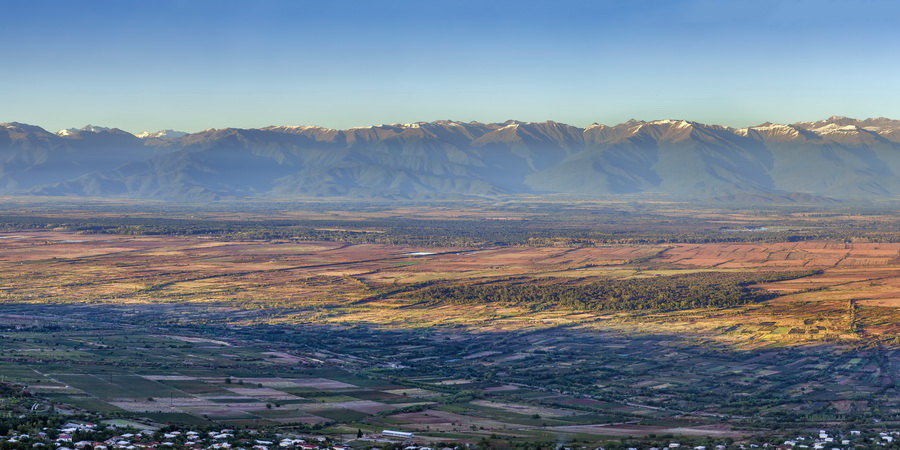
column 107, row 436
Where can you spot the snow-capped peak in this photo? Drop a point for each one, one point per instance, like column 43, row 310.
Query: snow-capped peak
column 771, row 129
column 676, row 123
column 299, row 127
column 89, row 128
column 835, row 128
column 162, row 134
column 774, row 127
column 94, row 129
column 448, row 123
column 19, row 127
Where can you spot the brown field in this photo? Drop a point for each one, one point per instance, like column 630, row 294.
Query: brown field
column 644, row 430
column 782, row 254
column 364, row 406
column 264, row 394
column 51, row 266
column 519, row 408
column 443, row 421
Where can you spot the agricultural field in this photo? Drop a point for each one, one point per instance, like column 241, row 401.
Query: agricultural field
column 120, row 371
column 347, row 283
column 231, row 328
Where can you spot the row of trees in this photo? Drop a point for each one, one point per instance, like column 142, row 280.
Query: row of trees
column 468, row 232
column 699, row 290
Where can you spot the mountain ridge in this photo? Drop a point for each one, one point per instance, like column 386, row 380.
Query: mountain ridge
column 827, row 160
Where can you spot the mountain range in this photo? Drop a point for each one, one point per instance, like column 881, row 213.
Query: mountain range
column 838, row 158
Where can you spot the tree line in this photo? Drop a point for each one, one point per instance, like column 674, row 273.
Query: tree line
column 698, row 290
column 459, row 232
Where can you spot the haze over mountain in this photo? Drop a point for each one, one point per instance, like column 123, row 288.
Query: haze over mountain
column 835, row 158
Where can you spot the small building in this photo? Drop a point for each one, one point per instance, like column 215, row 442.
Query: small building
column 399, row 434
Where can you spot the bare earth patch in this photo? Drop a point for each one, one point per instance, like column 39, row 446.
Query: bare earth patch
column 264, row 393
column 364, row 406
column 520, row 408
column 446, row 421
column 643, row 430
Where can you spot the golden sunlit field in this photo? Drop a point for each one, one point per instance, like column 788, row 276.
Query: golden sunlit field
column 356, row 280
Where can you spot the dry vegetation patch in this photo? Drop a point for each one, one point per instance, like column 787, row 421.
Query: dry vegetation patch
column 363, row 283
column 644, row 430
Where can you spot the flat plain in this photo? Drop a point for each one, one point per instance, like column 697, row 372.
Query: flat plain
column 334, row 333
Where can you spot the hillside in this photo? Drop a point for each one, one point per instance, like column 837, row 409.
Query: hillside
column 836, row 158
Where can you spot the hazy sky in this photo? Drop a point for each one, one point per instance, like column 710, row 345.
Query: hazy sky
column 191, row 64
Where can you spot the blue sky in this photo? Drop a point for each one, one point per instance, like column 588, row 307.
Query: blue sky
column 191, row 65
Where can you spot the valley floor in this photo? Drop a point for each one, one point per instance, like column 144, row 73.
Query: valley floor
column 307, row 333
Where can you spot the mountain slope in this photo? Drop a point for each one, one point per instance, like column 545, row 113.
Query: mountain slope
column 30, row 156
column 837, row 157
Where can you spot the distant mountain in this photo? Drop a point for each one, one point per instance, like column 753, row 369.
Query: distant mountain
column 162, row 134
column 88, row 128
column 31, row 157
column 835, row 158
